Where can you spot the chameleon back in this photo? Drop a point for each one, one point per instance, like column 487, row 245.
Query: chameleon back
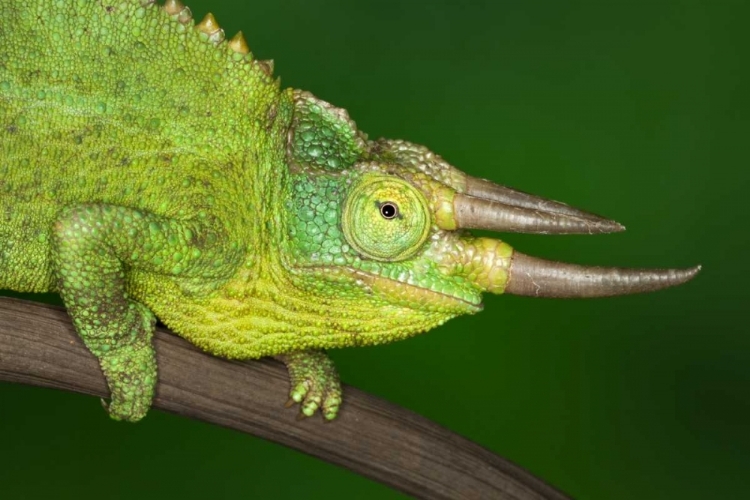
column 120, row 104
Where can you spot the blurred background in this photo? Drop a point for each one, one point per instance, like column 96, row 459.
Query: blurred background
column 635, row 110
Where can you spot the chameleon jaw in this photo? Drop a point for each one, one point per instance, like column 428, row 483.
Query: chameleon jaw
column 405, row 292
column 416, row 294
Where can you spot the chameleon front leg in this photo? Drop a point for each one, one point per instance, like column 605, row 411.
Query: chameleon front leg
column 94, row 246
column 314, row 382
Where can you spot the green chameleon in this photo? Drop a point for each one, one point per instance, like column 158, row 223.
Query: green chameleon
column 150, row 168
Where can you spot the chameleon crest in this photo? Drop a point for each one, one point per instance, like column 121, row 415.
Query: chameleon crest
column 151, row 168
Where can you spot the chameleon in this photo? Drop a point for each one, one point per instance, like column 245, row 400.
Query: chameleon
column 150, row 167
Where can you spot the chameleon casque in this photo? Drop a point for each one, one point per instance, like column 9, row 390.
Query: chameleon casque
column 150, row 168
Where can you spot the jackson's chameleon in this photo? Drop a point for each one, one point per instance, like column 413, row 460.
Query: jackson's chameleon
column 153, row 169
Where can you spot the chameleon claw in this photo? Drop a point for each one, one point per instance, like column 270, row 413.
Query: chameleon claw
column 310, row 408
column 300, row 391
column 329, row 414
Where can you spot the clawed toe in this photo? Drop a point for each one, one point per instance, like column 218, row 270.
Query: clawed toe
column 315, row 384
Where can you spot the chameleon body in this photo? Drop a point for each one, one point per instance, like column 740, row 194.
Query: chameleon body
column 149, row 168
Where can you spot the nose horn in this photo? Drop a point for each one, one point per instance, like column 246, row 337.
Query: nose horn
column 536, row 277
column 490, row 206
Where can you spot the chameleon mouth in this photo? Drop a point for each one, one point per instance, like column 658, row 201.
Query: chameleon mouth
column 412, row 292
column 404, row 291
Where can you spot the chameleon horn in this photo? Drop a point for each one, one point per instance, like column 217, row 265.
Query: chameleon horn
column 471, row 212
column 536, row 277
column 488, row 190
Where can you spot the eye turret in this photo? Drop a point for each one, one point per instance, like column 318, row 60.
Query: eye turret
column 385, row 218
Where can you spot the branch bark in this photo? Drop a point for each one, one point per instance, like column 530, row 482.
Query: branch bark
column 372, row 437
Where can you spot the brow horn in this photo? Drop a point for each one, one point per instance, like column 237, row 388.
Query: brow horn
column 480, row 213
column 536, row 277
column 486, row 205
column 488, row 190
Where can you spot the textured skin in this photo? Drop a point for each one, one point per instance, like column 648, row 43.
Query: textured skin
column 152, row 170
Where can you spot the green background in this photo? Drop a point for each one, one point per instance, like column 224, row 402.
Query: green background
column 634, row 110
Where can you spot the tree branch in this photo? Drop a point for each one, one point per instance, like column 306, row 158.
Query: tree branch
column 372, row 437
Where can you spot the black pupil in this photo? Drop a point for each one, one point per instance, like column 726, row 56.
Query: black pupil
column 388, row 210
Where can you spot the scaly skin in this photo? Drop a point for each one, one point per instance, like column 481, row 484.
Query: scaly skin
column 152, row 169
column 143, row 169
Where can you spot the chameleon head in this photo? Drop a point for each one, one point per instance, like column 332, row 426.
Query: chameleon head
column 381, row 225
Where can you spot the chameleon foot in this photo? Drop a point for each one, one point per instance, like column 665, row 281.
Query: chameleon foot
column 314, row 383
column 130, row 370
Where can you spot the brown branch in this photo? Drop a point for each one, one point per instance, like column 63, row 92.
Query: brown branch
column 372, row 437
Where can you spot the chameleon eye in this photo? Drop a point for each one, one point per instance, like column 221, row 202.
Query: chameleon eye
column 385, row 218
